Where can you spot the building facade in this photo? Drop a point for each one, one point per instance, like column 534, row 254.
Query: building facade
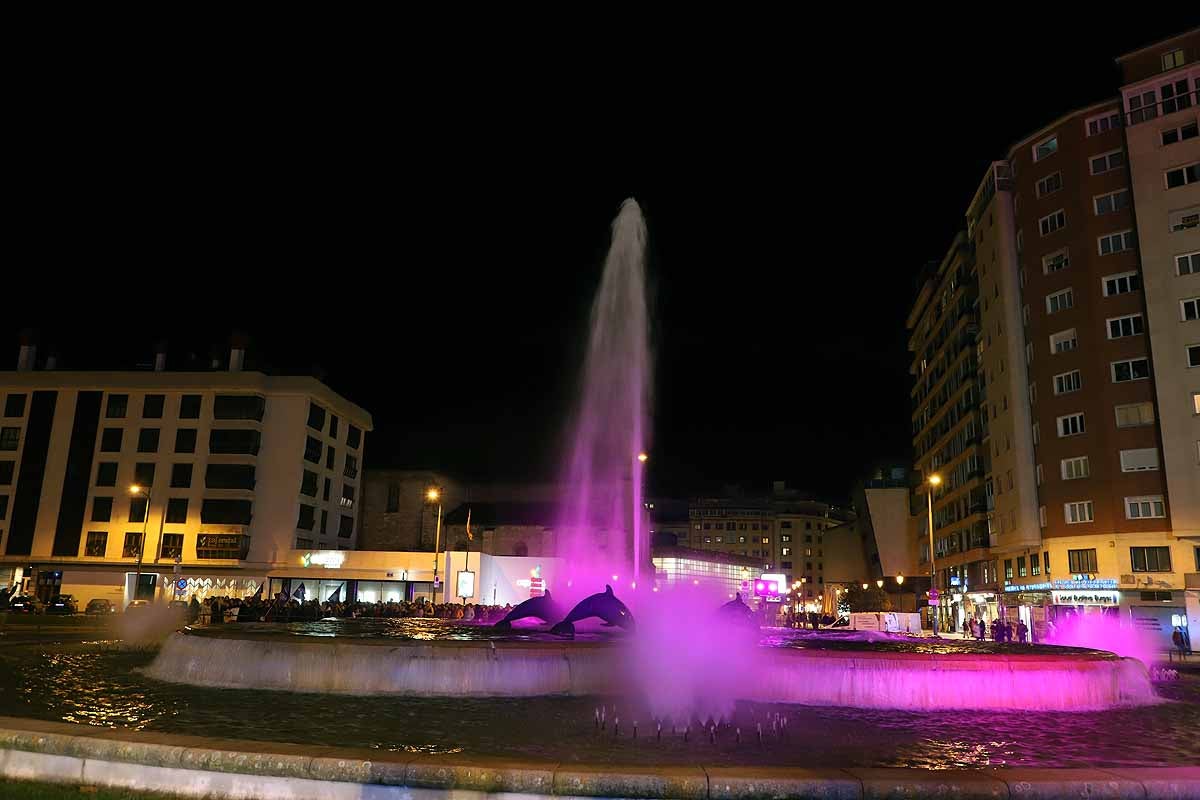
column 232, row 469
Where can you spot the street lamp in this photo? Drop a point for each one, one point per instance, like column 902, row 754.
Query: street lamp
column 900, row 589
column 865, row 585
column 879, row 583
column 434, row 495
column 142, row 491
column 935, row 480
column 643, row 457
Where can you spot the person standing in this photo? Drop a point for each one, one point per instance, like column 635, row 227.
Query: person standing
column 1022, row 631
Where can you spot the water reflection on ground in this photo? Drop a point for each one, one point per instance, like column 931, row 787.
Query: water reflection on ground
column 93, row 686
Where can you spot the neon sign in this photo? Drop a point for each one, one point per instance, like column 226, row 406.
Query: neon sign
column 329, row 560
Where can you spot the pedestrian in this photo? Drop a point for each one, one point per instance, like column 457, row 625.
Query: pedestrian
column 1022, row 631
column 1178, row 640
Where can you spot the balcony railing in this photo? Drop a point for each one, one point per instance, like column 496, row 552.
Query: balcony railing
column 1163, row 107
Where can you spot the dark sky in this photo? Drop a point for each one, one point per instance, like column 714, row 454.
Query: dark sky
column 431, row 232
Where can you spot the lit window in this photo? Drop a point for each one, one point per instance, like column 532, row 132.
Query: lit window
column 1078, row 512
column 1045, row 148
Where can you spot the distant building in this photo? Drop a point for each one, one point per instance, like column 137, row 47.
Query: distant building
column 240, row 468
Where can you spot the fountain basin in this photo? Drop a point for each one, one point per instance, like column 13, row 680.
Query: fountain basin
column 855, row 675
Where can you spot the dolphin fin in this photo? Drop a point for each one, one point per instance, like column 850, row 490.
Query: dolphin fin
column 607, row 589
column 564, row 628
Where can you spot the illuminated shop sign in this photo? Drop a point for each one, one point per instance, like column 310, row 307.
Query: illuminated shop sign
column 331, row 559
column 1083, row 597
column 1064, row 585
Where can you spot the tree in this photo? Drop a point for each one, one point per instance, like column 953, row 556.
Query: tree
column 855, row 598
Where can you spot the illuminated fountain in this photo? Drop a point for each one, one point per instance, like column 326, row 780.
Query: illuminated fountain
column 686, row 660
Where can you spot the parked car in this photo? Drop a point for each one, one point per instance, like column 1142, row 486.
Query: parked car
column 138, row 606
column 27, row 605
column 100, row 606
column 63, row 604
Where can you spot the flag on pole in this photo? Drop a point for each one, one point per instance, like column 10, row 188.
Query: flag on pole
column 336, row 597
column 299, row 593
column 258, row 593
column 470, row 536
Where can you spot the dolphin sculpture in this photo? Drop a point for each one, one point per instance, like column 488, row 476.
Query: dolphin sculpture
column 543, row 608
column 604, row 605
column 736, row 610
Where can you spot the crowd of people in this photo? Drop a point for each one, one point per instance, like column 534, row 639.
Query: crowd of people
column 1001, row 630
column 219, row 610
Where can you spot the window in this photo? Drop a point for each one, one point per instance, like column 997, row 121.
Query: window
column 1037, row 428
column 1134, row 415
column 1184, row 219
column 1121, row 283
column 1150, row 506
column 1189, row 310
column 1134, row 369
column 106, row 473
column 1067, row 382
column 1193, row 355
column 325, row 497
column 97, row 543
column 1074, row 468
column 1107, row 162
column 1063, row 341
column 10, row 438
column 1150, row 559
column 110, row 440
column 225, row 512
column 1045, row 148
column 6, row 472
column 117, row 405
column 1052, row 222
column 1071, row 425
column 307, row 518
column 1081, row 562
column 1129, row 325
column 181, row 476
column 312, row 450
column 353, row 437
column 1078, row 512
column 148, row 440
column 137, row 509
column 1116, row 242
column 1112, row 202
column 14, row 405
column 1022, row 571
column 1143, row 459
column 330, row 457
column 152, row 406
column 239, row 406
column 345, row 526
column 177, row 508
column 143, row 473
column 3, row 506
column 229, row 476
column 1188, row 264
column 185, row 440
column 308, row 486
column 101, row 509
column 393, row 499
column 1142, row 107
column 1101, row 123
column 1049, row 184
column 316, row 417
column 1175, row 96
column 347, row 496
column 234, row 441
column 333, row 426
column 189, row 406
column 1187, row 131
column 172, row 546
column 1058, row 260
column 787, row 551
column 1008, row 570
column 1039, row 476
column 1046, row 561
column 1172, row 59
column 222, row 545
column 324, row 522
column 1060, row 301
column 1182, row 176
column 133, row 544
column 1035, row 564
column 303, row 544
column 350, row 469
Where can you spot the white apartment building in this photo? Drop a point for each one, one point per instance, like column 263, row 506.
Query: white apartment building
column 233, row 471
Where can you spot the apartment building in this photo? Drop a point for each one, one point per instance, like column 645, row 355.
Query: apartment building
column 948, row 427
column 1083, row 244
column 233, row 470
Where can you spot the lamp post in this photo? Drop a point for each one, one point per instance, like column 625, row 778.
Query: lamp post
column 434, row 495
column 900, row 589
column 934, row 481
column 140, row 491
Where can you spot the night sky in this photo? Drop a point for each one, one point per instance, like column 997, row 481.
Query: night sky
column 431, row 238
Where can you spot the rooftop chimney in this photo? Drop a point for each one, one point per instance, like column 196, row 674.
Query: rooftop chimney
column 160, row 355
column 52, row 358
column 28, row 352
column 237, row 351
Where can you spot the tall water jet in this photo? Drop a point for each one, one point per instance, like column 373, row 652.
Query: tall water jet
column 603, row 533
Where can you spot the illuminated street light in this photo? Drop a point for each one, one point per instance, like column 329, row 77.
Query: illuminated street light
column 433, row 494
column 140, row 491
column 879, row 583
column 900, row 580
column 643, row 457
column 865, row 585
column 935, row 480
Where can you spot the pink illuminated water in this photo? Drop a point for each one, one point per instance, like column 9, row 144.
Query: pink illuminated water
column 1105, row 632
column 603, row 536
